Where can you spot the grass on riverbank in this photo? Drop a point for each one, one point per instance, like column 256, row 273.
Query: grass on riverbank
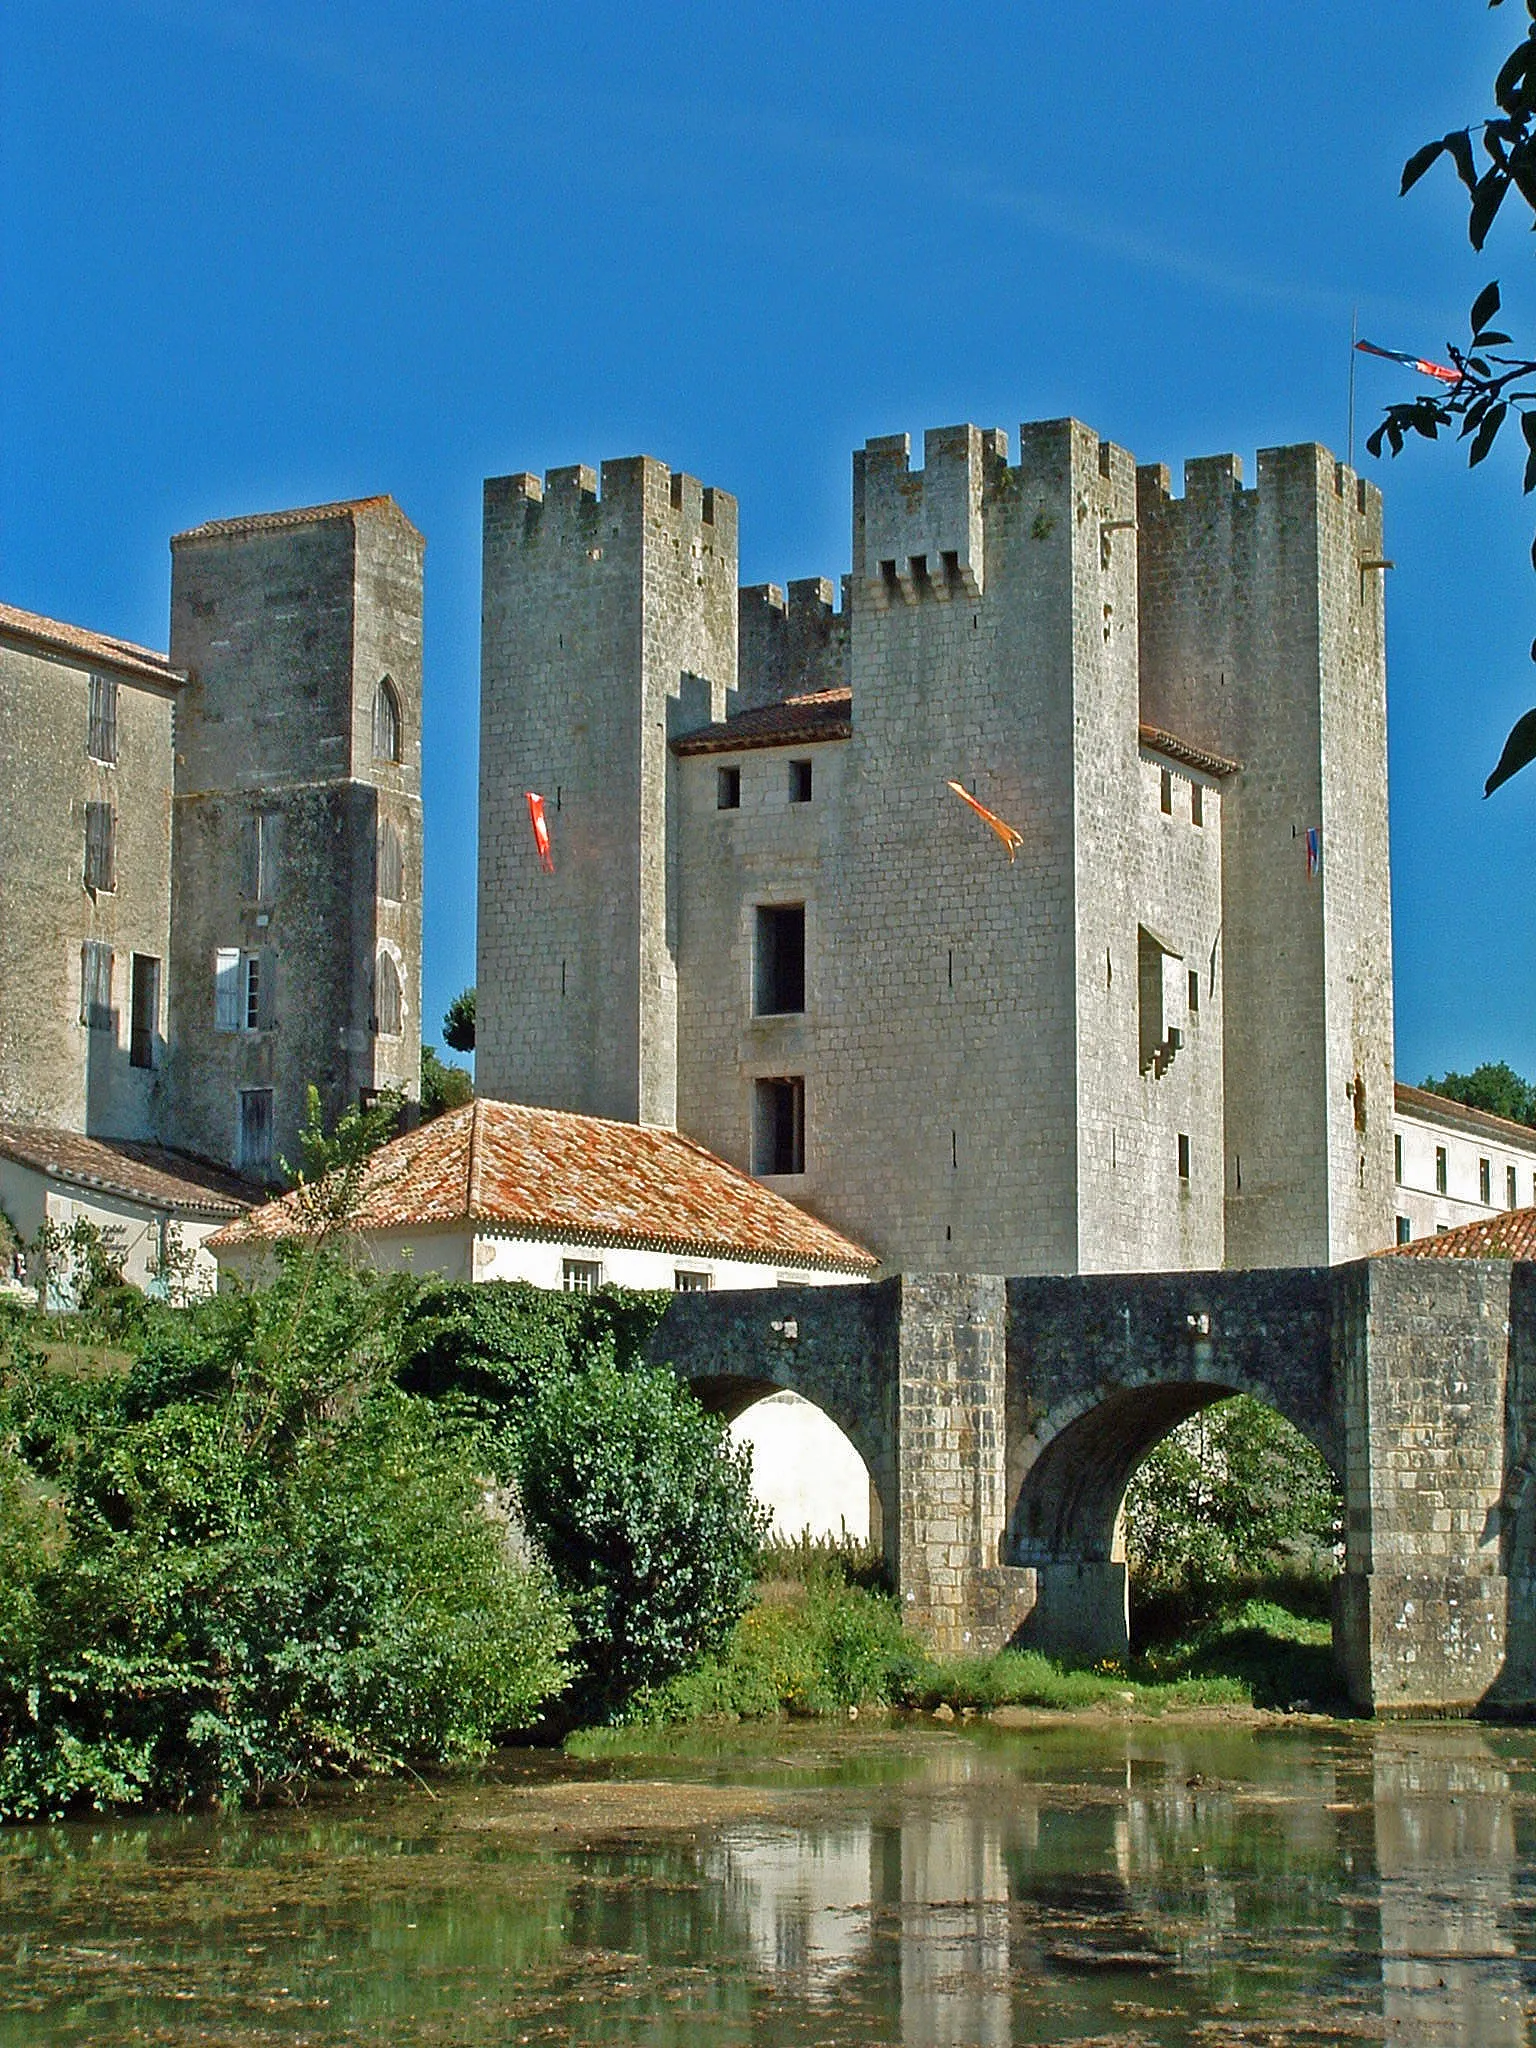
column 819, row 1642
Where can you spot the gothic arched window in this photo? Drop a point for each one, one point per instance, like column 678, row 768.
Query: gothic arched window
column 386, row 722
column 387, row 1003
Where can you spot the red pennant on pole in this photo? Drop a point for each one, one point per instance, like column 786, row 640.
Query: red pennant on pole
column 540, row 831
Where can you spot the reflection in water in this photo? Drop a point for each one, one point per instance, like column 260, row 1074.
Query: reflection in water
column 1143, row 1885
column 1445, row 1858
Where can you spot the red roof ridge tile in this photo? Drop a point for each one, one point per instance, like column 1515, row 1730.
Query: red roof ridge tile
column 521, row 1170
column 297, row 515
column 62, row 638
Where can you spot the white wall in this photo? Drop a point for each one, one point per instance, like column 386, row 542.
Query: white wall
column 134, row 1230
column 804, row 1470
column 1418, row 1199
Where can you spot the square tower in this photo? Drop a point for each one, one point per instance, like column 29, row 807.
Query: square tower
column 608, row 627
column 297, row 842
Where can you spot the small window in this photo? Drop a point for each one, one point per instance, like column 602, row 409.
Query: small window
column 1404, row 1230
column 1511, row 1189
column 799, row 782
column 1183, row 1156
column 253, row 1137
column 143, row 1009
column 1485, row 1183
column 1165, row 792
column 1194, row 992
column 96, row 986
column 387, row 1002
column 778, row 1138
column 779, row 967
column 727, row 789
column 258, row 857
column 1397, row 1157
column 242, row 993
column 581, row 1276
column 1440, row 1169
column 100, row 849
column 1441, row 1229
column 386, row 722
column 101, row 721
column 691, row 1280
column 1197, row 803
column 391, row 862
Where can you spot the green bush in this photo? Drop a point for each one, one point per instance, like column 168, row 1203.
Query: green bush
column 1235, row 1490
column 248, row 1559
column 646, row 1515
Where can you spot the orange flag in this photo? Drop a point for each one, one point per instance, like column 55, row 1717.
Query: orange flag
column 1011, row 839
column 540, row 832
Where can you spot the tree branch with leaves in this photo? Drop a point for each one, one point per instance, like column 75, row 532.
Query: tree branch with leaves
column 1495, row 382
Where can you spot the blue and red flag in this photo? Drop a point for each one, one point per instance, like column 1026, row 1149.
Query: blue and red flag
column 1424, row 367
column 1314, row 850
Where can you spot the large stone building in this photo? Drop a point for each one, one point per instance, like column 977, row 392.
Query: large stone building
column 210, row 861
column 1158, row 1037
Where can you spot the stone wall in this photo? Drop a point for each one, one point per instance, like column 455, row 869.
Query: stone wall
column 54, row 1068
column 1261, row 639
column 608, row 626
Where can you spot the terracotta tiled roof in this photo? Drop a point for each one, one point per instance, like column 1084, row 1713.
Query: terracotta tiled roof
column 99, row 648
column 121, row 1166
column 1176, row 749
column 1509, row 1235
column 515, row 1171
column 796, row 722
column 1477, row 1123
column 300, row 515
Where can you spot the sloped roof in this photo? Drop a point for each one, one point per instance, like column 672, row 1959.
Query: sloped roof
column 299, row 515
column 1509, row 1235
column 150, row 1174
column 99, row 648
column 797, row 721
column 1477, row 1123
column 512, row 1170
column 1160, row 742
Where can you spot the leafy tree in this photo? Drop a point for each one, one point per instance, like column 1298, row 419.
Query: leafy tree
column 443, row 1085
column 1494, row 1086
column 459, row 1022
column 1234, row 1491
column 327, row 1182
column 251, row 1559
column 1496, row 380
column 645, row 1512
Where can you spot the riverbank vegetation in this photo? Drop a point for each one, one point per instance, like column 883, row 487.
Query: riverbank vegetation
column 336, row 1526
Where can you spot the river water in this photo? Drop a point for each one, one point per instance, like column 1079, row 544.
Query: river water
column 1128, row 1883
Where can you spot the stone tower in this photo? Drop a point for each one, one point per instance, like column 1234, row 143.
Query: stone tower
column 297, row 841
column 1262, row 637
column 608, row 627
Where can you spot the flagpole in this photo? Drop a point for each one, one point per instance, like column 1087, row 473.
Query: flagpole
column 1354, row 336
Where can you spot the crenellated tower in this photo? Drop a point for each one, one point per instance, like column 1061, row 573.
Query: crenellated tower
column 609, row 624
column 1262, row 637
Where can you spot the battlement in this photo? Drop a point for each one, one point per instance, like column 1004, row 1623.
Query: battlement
column 791, row 643
column 634, row 495
column 920, row 533
column 1302, row 470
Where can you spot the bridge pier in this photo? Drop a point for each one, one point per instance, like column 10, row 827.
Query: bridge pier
column 1429, row 1356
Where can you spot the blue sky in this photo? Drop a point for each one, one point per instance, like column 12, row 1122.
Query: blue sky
column 255, row 255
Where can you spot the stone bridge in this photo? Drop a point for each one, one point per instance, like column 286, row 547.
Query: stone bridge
column 1001, row 1421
